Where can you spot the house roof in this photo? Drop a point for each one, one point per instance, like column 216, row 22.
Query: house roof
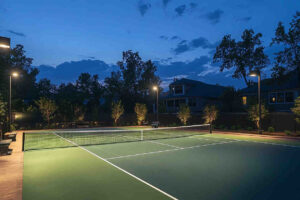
column 198, row 88
column 291, row 81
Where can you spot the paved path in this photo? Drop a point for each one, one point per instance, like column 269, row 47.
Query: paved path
column 11, row 172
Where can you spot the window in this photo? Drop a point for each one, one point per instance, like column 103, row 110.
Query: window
column 244, row 100
column 280, row 97
column 289, row 97
column 273, row 98
column 192, row 102
column 178, row 89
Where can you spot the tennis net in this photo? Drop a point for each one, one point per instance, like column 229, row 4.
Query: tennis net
column 70, row 138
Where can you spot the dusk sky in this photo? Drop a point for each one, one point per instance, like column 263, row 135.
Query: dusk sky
column 176, row 33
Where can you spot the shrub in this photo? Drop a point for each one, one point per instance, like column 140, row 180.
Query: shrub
column 271, row 129
column 225, row 128
column 117, row 111
column 254, row 114
column 184, row 113
column 210, row 114
column 141, row 111
column 238, row 127
column 233, row 127
column 287, row 132
column 250, row 128
column 173, row 124
column 296, row 109
column 221, row 126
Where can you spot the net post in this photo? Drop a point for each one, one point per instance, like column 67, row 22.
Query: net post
column 23, row 141
column 210, row 128
column 142, row 135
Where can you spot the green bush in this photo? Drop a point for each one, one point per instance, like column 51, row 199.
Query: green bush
column 225, row 128
column 173, row 124
column 221, row 126
column 287, row 132
column 250, row 128
column 233, row 127
column 271, row 129
column 238, row 127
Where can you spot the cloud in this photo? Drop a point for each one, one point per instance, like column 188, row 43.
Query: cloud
column 143, row 7
column 184, row 46
column 16, row 33
column 166, row 2
column 193, row 5
column 180, row 10
column 245, row 19
column 214, row 16
column 163, row 37
column 175, row 37
column 209, row 70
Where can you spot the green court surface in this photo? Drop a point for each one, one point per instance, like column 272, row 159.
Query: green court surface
column 217, row 166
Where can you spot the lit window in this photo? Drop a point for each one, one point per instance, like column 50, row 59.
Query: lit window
column 289, row 97
column 273, row 98
column 244, row 100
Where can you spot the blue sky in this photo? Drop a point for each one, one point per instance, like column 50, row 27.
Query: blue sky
column 57, row 31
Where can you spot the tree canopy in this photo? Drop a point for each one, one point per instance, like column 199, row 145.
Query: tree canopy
column 288, row 58
column 244, row 56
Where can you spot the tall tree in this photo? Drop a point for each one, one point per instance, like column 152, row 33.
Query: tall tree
column 45, row 88
column 24, row 86
column 245, row 55
column 134, row 80
column 289, row 58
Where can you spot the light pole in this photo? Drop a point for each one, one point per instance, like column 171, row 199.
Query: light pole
column 155, row 88
column 15, row 75
column 257, row 73
column 4, row 48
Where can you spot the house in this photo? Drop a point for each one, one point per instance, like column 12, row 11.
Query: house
column 196, row 94
column 278, row 96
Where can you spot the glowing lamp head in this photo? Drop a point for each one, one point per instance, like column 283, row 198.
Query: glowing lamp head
column 15, row 74
column 4, row 46
column 155, row 88
column 254, row 73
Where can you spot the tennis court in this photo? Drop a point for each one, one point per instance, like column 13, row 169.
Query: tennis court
column 167, row 163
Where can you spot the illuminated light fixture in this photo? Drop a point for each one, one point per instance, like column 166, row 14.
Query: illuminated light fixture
column 155, row 88
column 15, row 74
column 4, row 46
column 253, row 73
column 4, row 43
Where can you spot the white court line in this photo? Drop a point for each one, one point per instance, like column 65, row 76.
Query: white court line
column 105, row 160
column 169, row 150
column 270, row 143
column 169, row 145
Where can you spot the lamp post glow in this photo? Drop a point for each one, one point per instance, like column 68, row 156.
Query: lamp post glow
column 253, row 74
column 14, row 74
column 155, row 88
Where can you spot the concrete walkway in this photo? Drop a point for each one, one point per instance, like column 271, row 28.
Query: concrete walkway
column 11, row 172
